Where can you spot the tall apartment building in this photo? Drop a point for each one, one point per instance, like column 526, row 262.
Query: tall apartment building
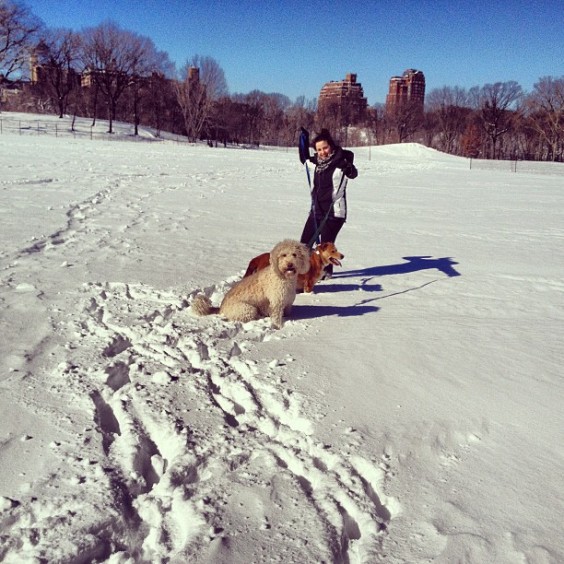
column 406, row 89
column 344, row 99
column 194, row 75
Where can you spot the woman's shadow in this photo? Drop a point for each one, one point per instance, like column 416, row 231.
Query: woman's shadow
column 412, row 264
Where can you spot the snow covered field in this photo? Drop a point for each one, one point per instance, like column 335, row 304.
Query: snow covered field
column 409, row 411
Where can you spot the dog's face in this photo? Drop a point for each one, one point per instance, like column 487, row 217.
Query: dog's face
column 329, row 254
column 290, row 258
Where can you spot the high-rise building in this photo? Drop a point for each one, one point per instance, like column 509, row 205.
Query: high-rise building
column 344, row 99
column 194, row 75
column 408, row 89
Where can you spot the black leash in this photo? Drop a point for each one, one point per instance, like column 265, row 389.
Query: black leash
column 315, row 237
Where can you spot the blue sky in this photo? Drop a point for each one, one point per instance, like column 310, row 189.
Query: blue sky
column 294, row 47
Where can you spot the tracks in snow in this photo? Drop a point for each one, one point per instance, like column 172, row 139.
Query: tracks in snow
column 183, row 449
column 205, row 455
column 178, row 463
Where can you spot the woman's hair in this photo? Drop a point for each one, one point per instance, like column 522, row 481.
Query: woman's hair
column 324, row 135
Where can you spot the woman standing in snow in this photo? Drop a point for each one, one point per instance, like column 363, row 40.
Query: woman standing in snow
column 330, row 168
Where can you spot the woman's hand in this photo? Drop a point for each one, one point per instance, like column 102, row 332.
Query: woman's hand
column 349, row 170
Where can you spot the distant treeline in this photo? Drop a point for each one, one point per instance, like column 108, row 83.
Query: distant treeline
column 106, row 72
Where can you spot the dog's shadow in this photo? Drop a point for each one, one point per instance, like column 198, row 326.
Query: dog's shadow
column 311, row 311
column 300, row 312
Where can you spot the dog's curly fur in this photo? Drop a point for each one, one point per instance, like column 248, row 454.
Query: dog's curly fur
column 268, row 292
column 324, row 254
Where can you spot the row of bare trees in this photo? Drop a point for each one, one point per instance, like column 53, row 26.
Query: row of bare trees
column 498, row 120
column 111, row 73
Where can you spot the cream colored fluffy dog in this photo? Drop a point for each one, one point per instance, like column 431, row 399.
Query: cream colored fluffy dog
column 268, row 292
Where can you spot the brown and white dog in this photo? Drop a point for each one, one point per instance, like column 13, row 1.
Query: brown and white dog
column 323, row 255
column 268, row 292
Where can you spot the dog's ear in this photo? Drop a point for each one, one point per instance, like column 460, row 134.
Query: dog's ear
column 304, row 262
column 274, row 257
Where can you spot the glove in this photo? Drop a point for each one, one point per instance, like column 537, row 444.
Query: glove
column 303, row 145
column 348, row 169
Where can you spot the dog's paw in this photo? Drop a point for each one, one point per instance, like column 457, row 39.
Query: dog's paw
column 277, row 323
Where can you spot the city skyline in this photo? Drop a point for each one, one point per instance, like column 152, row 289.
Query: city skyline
column 282, row 47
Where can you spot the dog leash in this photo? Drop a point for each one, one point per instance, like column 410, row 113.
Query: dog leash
column 315, row 237
column 303, row 145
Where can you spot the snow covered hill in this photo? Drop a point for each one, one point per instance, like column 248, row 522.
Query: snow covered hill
column 408, row 411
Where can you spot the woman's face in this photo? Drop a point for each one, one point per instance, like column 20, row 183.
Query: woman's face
column 323, row 149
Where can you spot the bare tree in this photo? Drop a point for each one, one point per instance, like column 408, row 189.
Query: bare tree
column 497, row 105
column 375, row 125
column 471, row 140
column 273, row 119
column 113, row 58
column 254, row 112
column 18, row 32
column 329, row 116
column 545, row 109
column 449, row 109
column 159, row 102
column 229, row 115
column 57, row 66
column 202, row 82
column 300, row 114
column 404, row 121
column 153, row 68
column 527, row 142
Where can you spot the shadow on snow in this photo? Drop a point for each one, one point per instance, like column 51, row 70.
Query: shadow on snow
column 413, row 264
column 313, row 311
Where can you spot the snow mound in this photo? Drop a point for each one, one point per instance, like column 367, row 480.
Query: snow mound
column 413, row 151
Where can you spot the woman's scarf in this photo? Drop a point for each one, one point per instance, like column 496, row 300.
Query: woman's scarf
column 324, row 164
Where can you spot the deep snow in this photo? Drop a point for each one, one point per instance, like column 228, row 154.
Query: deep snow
column 409, row 411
